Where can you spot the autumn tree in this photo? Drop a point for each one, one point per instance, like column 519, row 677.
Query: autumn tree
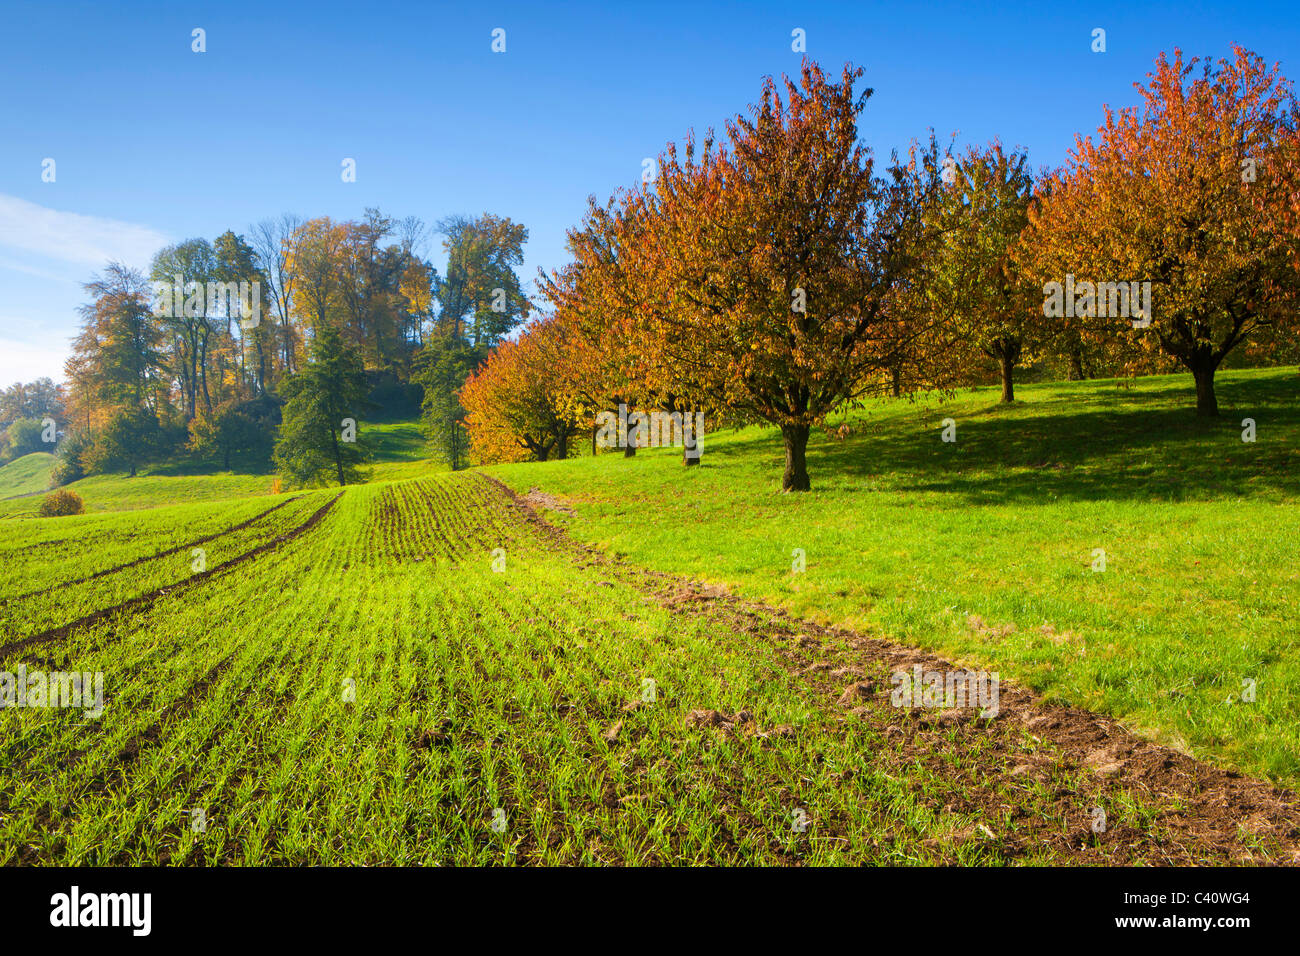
column 480, row 296
column 37, row 399
column 248, row 320
column 600, row 297
column 117, row 358
column 272, row 240
column 314, row 259
column 1193, row 191
column 772, row 262
column 517, row 406
column 969, row 278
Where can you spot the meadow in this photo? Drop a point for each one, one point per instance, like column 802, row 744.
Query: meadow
column 26, row 475
column 618, row 664
column 983, row 548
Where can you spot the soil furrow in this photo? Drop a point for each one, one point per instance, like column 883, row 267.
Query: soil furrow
column 142, row 602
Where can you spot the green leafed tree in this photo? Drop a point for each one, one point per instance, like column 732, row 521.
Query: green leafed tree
column 976, row 219
column 132, row 438
column 23, row 437
column 319, row 439
column 445, row 364
column 234, row 431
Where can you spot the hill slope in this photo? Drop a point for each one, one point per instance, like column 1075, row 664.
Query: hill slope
column 26, row 475
column 422, row 672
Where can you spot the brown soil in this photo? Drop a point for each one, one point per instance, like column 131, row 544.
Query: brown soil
column 1202, row 813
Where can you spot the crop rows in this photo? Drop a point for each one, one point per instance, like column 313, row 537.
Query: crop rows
column 36, row 555
column 388, row 687
column 23, row 616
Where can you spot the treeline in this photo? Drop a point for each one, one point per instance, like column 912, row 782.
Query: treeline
column 778, row 273
column 200, row 356
column 27, row 412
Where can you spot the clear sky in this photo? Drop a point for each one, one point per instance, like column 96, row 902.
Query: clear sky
column 154, row 143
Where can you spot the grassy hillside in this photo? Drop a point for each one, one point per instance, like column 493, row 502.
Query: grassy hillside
column 25, row 475
column 416, row 671
column 984, row 548
column 399, row 453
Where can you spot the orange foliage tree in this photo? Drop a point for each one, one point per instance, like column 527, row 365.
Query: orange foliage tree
column 521, row 403
column 1194, row 192
column 757, row 278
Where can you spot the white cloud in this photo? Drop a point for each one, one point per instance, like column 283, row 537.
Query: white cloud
column 74, row 238
column 7, row 263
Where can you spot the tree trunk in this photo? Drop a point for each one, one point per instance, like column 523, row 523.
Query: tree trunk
column 338, row 457
column 896, row 374
column 1075, row 373
column 562, row 447
column 629, row 450
column 594, row 432
column 1207, row 406
column 796, row 464
column 690, row 440
column 1008, row 367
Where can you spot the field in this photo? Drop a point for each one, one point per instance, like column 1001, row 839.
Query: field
column 616, row 662
column 399, row 453
column 26, row 475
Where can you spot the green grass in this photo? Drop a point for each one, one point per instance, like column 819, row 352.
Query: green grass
column 378, row 691
column 121, row 493
column 399, row 453
column 983, row 548
column 25, row 475
column 375, row 687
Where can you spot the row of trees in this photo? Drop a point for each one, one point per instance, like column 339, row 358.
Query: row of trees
column 779, row 274
column 166, row 362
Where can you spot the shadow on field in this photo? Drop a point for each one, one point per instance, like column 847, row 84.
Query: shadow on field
column 1116, row 444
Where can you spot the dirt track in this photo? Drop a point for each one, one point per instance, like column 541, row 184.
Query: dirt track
column 1202, row 814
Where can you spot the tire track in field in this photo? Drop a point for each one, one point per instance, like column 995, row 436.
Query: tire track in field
column 1203, row 813
column 153, row 557
column 143, row 602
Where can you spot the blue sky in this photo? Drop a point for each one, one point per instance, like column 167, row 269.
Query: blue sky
column 154, row 143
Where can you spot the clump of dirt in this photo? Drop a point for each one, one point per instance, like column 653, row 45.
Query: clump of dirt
column 862, row 690
column 537, row 498
column 988, row 632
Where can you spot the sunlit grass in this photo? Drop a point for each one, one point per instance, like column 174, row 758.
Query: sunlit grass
column 984, row 548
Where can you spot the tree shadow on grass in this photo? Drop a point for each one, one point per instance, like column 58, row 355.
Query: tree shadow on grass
column 1118, row 445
